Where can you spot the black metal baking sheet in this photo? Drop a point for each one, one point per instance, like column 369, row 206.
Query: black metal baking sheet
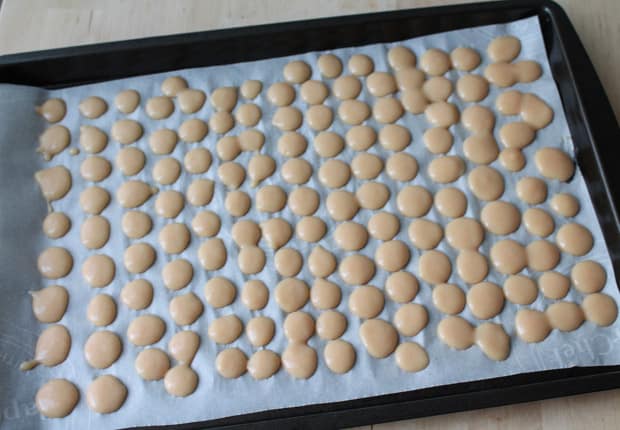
column 591, row 120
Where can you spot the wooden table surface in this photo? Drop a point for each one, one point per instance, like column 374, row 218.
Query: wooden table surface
column 27, row 25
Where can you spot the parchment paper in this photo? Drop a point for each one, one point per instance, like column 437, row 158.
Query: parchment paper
column 22, row 210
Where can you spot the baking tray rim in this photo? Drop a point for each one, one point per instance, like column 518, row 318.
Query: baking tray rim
column 224, row 33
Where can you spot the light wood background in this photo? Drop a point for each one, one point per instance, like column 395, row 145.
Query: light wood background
column 27, row 25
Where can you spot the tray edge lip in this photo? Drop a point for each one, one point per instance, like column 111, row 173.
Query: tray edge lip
column 221, row 33
column 557, row 13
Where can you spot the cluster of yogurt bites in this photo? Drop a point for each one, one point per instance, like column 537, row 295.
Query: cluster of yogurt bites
column 422, row 89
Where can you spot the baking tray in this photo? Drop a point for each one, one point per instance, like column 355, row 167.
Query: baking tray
column 591, row 119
